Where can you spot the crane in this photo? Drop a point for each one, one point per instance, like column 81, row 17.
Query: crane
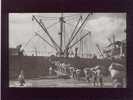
column 75, row 32
column 46, row 31
column 37, row 34
column 99, row 50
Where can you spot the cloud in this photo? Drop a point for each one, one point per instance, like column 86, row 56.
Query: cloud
column 104, row 27
column 20, row 18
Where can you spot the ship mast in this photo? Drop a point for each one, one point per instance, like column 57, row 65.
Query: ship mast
column 63, row 48
column 61, row 20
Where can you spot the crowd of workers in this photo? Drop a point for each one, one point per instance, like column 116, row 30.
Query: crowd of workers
column 94, row 75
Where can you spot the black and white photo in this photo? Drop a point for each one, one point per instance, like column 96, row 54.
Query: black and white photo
column 67, row 50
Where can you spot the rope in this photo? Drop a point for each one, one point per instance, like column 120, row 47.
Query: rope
column 70, row 24
column 72, row 18
column 28, row 41
column 53, row 18
column 52, row 25
column 72, row 15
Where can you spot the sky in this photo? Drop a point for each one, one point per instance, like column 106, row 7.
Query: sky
column 101, row 25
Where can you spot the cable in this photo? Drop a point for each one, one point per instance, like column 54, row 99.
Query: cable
column 28, row 41
column 45, row 30
column 69, row 24
column 45, row 17
column 72, row 18
column 73, row 32
column 52, row 25
column 72, row 15
column 48, row 18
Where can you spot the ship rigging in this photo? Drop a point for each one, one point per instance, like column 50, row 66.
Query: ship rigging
column 67, row 41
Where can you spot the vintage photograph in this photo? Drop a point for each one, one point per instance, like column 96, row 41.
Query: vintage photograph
column 67, row 50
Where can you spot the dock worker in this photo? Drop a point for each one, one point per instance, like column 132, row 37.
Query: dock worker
column 88, row 74
column 78, row 71
column 118, row 73
column 21, row 78
column 74, row 74
column 94, row 76
column 50, row 71
column 99, row 74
